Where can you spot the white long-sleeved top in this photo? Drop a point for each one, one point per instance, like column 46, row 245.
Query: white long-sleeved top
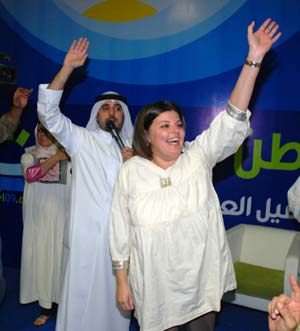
column 168, row 223
column 293, row 197
column 88, row 294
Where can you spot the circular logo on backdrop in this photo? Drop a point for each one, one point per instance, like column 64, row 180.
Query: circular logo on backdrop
column 143, row 42
column 122, row 30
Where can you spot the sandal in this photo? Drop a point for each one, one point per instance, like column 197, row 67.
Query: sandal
column 41, row 320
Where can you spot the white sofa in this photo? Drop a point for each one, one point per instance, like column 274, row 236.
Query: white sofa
column 267, row 247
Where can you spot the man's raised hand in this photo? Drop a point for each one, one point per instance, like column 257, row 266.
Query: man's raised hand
column 77, row 53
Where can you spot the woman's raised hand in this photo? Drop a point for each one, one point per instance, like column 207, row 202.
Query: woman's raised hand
column 262, row 40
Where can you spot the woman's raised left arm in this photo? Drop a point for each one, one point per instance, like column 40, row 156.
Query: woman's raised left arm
column 260, row 42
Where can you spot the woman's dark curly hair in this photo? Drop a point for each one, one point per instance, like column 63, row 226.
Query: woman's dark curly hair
column 143, row 122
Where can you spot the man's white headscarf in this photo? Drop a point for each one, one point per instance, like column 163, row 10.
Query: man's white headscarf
column 127, row 128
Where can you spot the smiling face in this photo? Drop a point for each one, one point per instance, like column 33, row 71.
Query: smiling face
column 166, row 137
column 110, row 110
column 45, row 139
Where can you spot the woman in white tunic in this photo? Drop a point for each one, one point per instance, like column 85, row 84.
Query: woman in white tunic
column 45, row 211
column 166, row 219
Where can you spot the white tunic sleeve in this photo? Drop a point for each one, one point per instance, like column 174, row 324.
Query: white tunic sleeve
column 60, row 126
column 120, row 227
column 226, row 133
column 294, row 199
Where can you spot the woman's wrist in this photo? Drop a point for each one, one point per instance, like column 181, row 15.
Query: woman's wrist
column 121, row 277
column 252, row 63
column 255, row 56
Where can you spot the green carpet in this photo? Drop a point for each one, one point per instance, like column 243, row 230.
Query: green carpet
column 258, row 281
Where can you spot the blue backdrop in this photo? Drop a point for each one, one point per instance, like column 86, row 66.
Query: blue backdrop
column 188, row 51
